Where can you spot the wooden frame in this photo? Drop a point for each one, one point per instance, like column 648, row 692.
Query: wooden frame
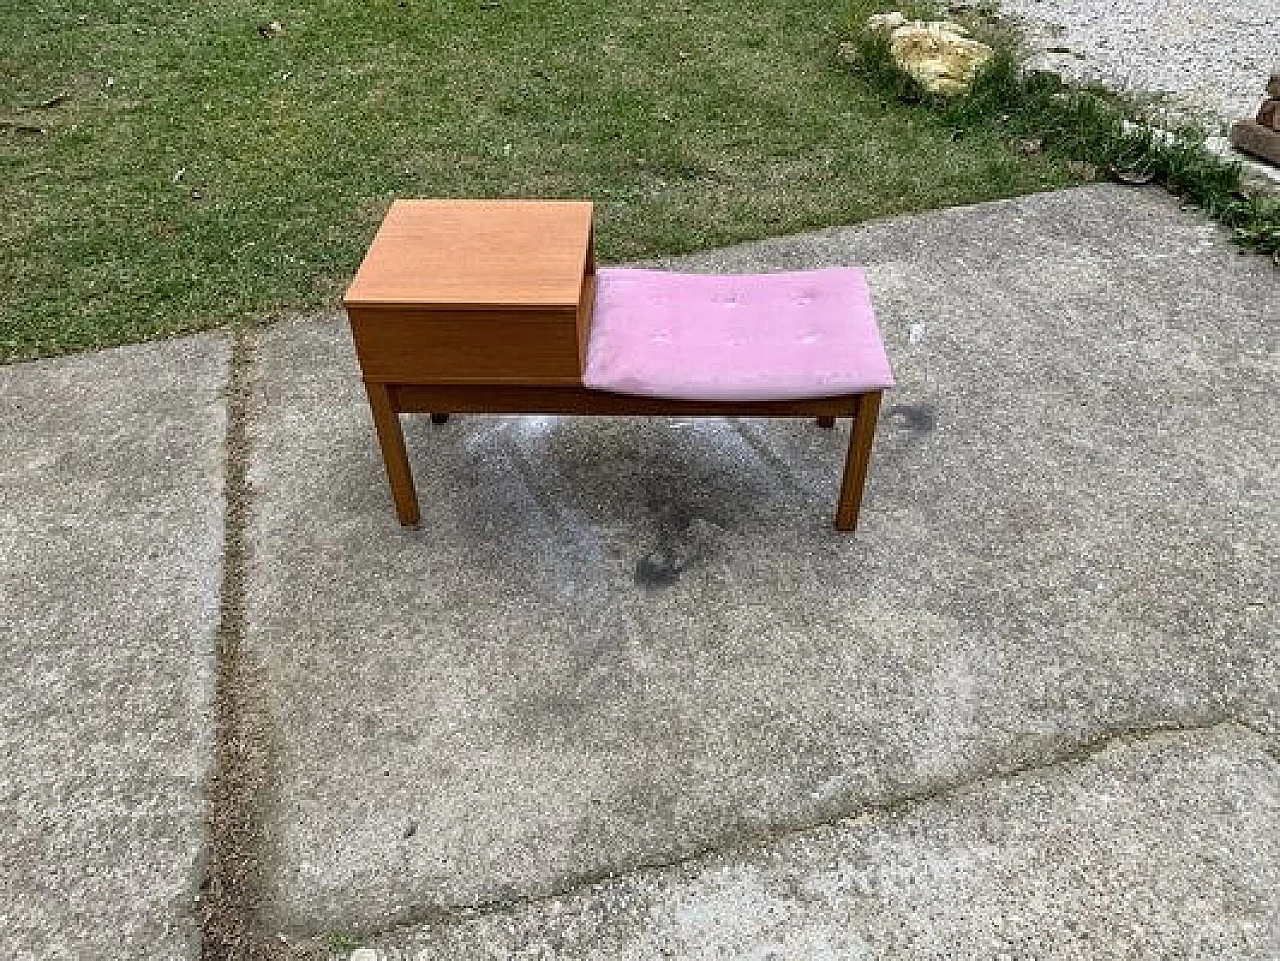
column 388, row 401
column 485, row 306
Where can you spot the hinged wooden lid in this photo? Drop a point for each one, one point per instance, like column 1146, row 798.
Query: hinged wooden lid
column 481, row 254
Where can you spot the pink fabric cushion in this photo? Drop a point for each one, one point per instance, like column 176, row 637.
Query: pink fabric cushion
column 734, row 336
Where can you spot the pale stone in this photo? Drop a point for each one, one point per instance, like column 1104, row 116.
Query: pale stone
column 885, row 22
column 941, row 59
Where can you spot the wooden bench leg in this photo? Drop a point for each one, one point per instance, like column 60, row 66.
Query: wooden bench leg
column 439, row 418
column 827, row 422
column 855, row 466
column 386, row 419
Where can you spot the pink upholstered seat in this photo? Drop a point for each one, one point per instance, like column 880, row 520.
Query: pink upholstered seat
column 785, row 336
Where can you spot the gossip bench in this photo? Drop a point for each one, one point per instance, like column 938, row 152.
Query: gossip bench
column 496, row 307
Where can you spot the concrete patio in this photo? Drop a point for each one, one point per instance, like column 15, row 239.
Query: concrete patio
column 625, row 693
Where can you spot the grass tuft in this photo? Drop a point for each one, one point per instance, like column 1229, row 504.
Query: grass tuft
column 341, row 942
column 1086, row 124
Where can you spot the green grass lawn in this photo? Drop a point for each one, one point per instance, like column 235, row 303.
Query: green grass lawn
column 197, row 174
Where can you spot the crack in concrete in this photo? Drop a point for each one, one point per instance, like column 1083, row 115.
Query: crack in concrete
column 234, row 879
column 892, row 807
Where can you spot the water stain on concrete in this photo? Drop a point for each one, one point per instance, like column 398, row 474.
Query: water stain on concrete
column 918, row 418
column 683, row 538
column 659, row 568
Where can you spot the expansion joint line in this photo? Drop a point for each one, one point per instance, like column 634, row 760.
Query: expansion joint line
column 233, row 881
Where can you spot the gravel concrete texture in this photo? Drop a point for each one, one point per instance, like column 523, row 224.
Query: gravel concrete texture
column 110, row 565
column 1162, row 847
column 1212, row 58
column 623, row 643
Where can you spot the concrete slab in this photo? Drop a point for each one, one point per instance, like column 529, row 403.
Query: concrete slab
column 110, row 547
column 1161, row 847
column 615, row 644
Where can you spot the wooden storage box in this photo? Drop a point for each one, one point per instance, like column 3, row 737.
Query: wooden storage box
column 475, row 291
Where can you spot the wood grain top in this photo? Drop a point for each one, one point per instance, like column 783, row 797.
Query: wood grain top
column 476, row 254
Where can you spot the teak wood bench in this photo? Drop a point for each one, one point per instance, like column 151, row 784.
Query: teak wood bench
column 496, row 307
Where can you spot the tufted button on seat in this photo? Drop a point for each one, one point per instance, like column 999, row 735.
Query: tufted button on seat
column 727, row 337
